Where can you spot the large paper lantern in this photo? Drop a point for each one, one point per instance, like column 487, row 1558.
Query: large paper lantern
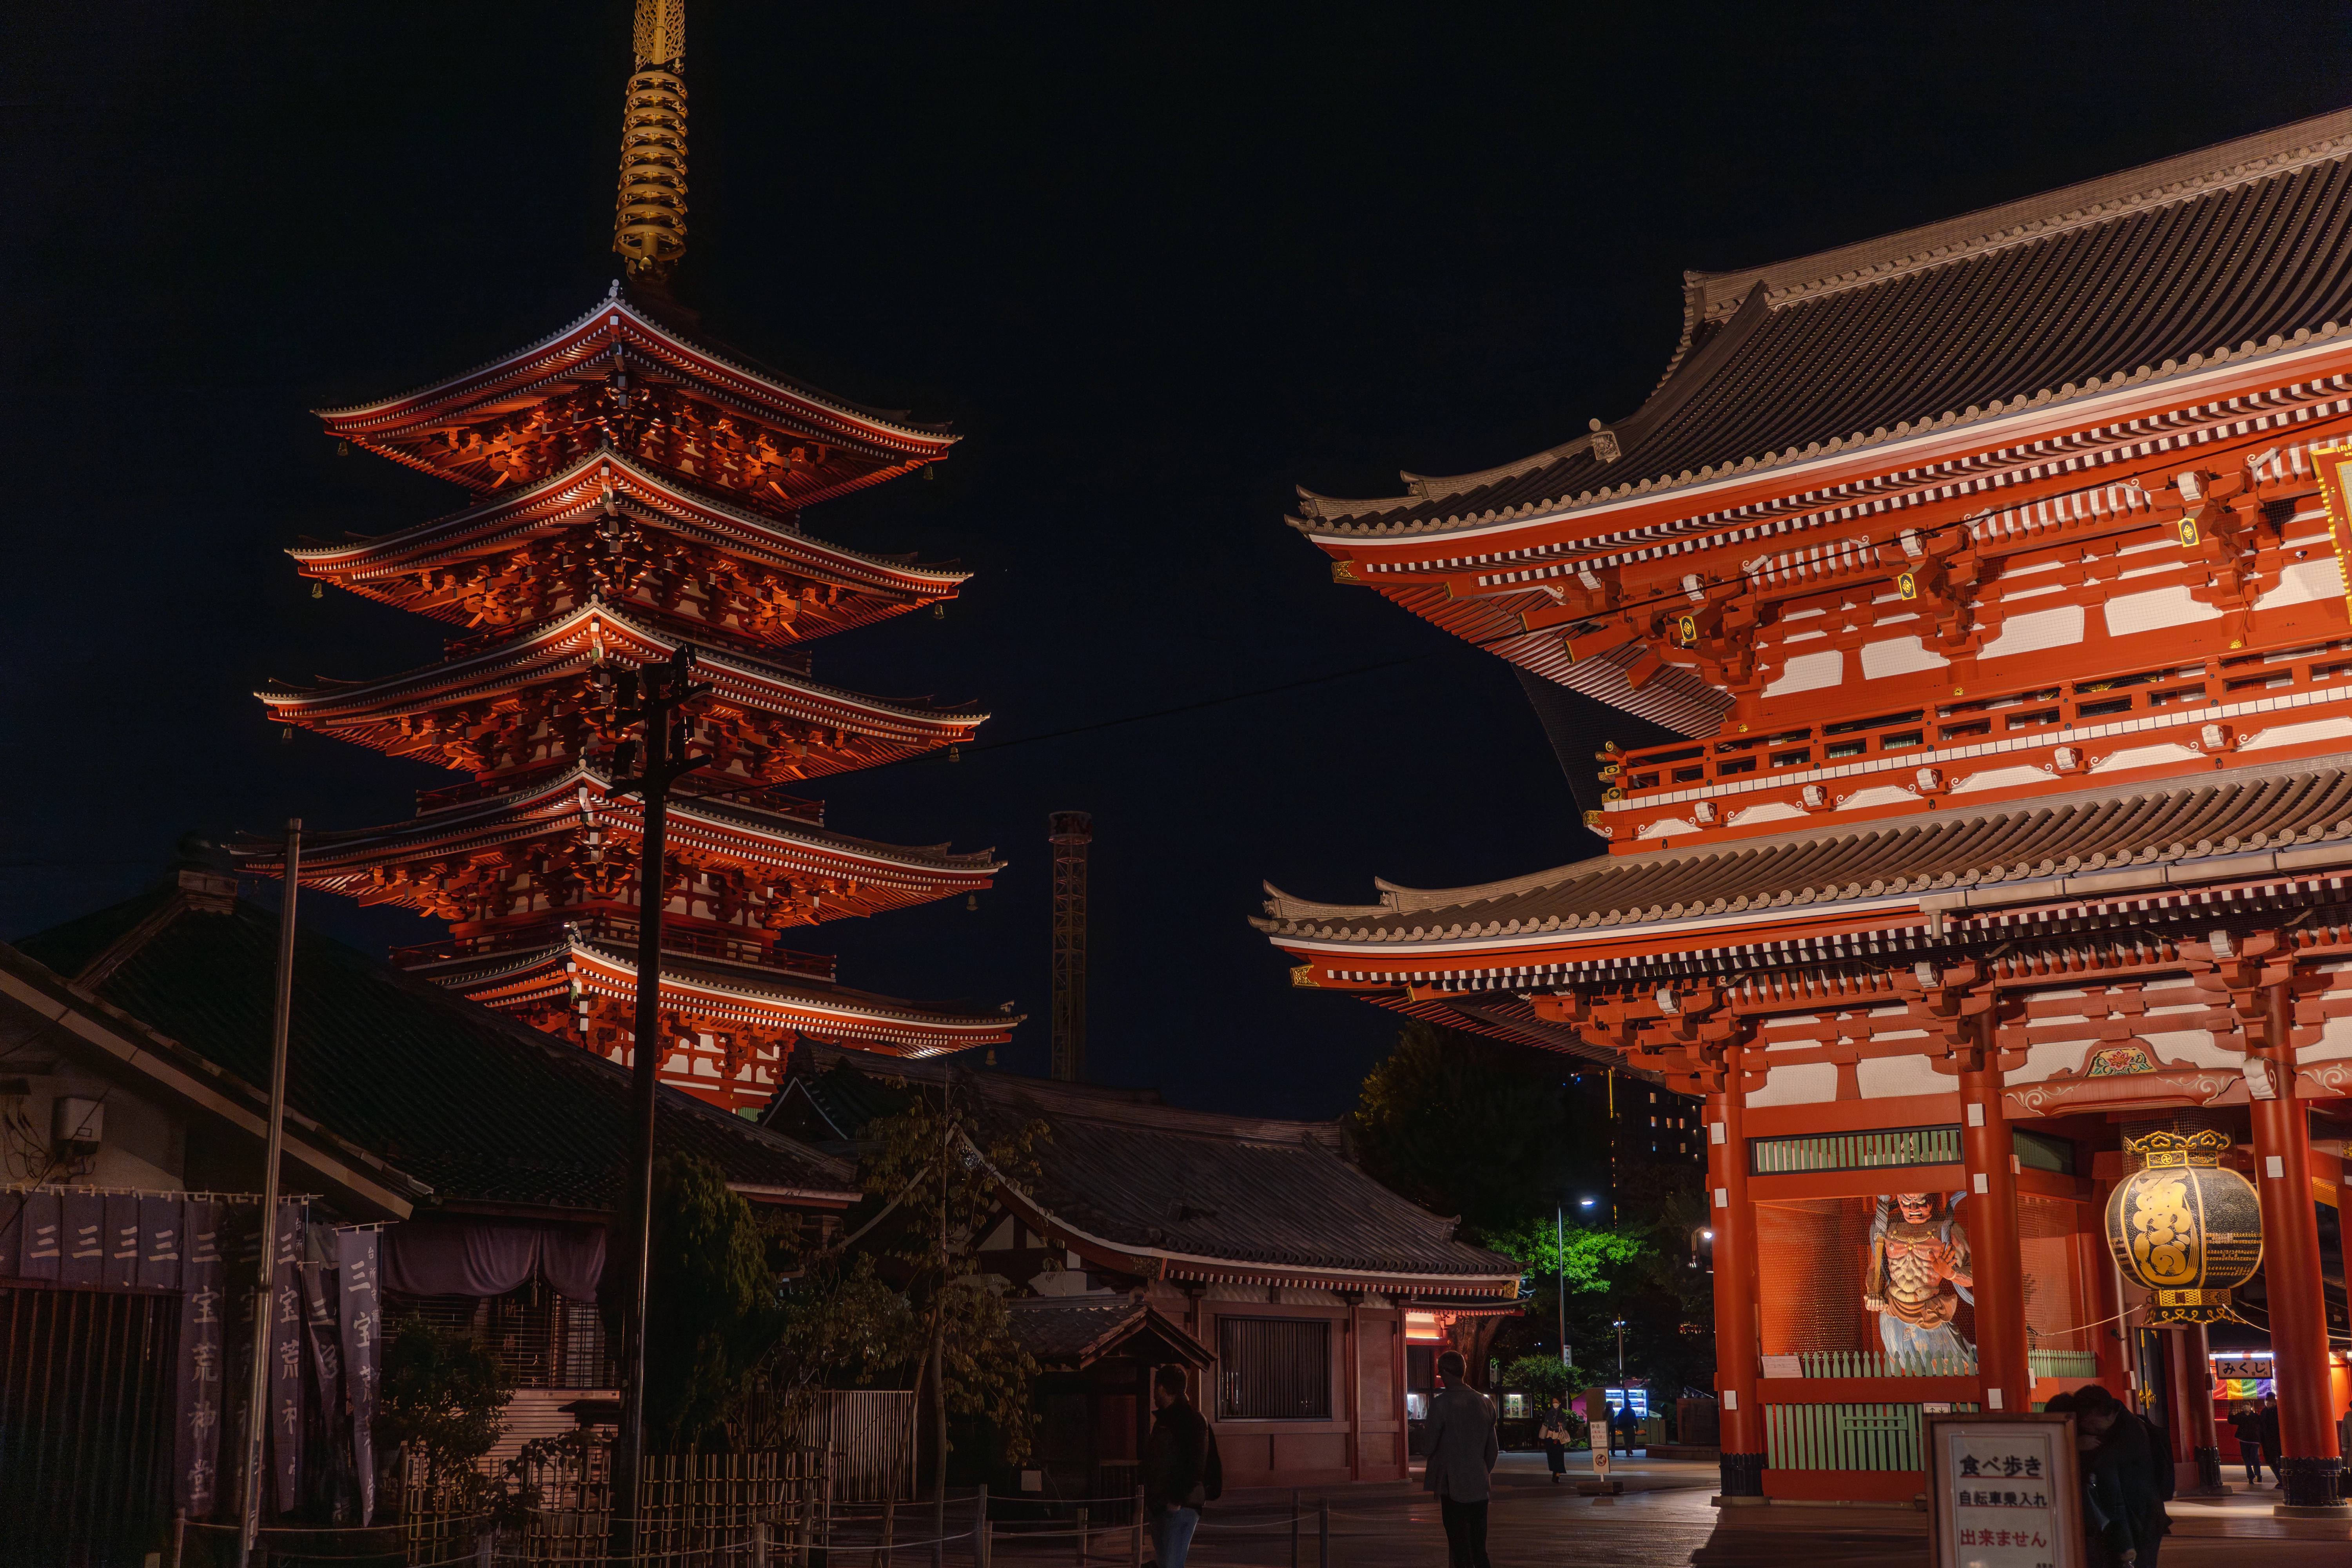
column 2187, row 1229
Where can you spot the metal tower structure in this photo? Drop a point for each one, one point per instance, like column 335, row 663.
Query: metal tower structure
column 1071, row 832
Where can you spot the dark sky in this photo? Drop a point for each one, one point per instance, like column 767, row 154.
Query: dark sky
column 1158, row 262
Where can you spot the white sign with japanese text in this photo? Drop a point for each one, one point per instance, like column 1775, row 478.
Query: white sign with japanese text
column 2004, row 1492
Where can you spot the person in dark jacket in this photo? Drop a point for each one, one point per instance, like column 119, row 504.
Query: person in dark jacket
column 1181, row 1469
column 2120, row 1473
column 2271, row 1435
column 2247, row 1423
column 1462, row 1454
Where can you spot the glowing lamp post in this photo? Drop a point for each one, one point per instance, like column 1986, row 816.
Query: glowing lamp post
column 2187, row 1229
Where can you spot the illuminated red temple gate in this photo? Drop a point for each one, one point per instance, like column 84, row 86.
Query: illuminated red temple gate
column 630, row 492
column 1993, row 572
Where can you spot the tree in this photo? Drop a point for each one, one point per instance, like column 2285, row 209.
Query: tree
column 1466, row 1126
column 944, row 1172
column 441, row 1394
column 714, row 1307
column 1546, row 1377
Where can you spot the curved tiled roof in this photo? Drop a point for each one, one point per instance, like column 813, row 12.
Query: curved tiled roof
column 2240, row 248
column 485, row 1109
column 1119, row 1166
column 2081, row 833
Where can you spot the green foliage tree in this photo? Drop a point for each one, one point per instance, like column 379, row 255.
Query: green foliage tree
column 1466, row 1126
column 944, row 1171
column 1546, row 1377
column 441, row 1395
column 713, row 1309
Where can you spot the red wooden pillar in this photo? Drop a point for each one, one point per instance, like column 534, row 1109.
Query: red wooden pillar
column 1737, row 1362
column 2110, row 1340
column 2309, row 1460
column 2196, row 1449
column 1990, row 1220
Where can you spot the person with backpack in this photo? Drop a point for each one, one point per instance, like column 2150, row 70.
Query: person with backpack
column 1182, row 1470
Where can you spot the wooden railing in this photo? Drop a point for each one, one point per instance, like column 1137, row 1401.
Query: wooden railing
column 1887, row 1148
column 1879, row 1363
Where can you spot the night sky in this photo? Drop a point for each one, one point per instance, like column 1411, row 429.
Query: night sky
column 1158, row 263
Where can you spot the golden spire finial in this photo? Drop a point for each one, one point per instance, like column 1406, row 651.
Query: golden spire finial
column 649, row 222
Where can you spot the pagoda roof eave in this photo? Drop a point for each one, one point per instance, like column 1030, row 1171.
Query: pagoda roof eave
column 533, row 360
column 2282, row 819
column 536, row 809
column 582, row 488
column 452, row 680
column 924, row 1028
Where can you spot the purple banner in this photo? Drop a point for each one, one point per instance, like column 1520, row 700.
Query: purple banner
column 241, row 1290
column 197, row 1402
column 285, row 1355
column 320, row 1280
column 122, row 1242
column 83, row 1267
column 43, row 1241
column 159, row 1243
column 355, row 1254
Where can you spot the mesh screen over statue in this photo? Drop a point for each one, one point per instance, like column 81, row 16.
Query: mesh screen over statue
column 1918, row 1276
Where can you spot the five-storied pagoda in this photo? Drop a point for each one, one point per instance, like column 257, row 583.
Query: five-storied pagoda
column 633, row 491
column 1994, row 572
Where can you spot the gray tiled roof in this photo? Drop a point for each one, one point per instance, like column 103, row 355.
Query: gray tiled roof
column 2183, row 829
column 486, row 1109
column 2213, row 254
column 1121, row 1166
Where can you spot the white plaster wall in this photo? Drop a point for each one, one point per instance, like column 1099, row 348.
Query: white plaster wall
column 2195, row 1047
column 1886, row 1077
column 2335, row 1042
column 1812, row 1084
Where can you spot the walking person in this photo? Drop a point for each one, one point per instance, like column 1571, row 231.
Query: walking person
column 1554, row 1430
column 2270, row 1418
column 2247, row 1423
column 1182, row 1470
column 1462, row 1454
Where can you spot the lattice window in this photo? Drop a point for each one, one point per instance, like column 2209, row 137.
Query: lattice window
column 1273, row 1368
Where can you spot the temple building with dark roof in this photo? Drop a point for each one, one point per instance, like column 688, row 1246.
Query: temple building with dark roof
column 1309, row 1297
column 1989, row 582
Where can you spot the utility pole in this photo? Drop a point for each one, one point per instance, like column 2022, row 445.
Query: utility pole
column 256, row 1396
column 654, row 698
column 1559, row 1231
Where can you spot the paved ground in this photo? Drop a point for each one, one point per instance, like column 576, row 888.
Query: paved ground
column 1664, row 1520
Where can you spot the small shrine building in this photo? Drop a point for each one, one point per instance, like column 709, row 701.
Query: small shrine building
column 631, row 490
column 1993, row 573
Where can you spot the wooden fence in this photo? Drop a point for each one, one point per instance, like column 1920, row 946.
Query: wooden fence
column 870, row 1432
column 696, row 1507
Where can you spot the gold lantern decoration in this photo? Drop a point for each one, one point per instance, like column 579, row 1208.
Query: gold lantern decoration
column 2187, row 1229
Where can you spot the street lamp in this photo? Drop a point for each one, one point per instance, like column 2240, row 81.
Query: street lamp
column 1620, row 1326
column 1698, row 1234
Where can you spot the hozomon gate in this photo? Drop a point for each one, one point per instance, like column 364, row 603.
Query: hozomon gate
column 1993, row 572
column 629, row 491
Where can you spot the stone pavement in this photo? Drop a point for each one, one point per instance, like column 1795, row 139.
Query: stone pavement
column 1664, row 1520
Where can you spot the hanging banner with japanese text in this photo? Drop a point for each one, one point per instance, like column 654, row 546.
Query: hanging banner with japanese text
column 196, row 1398
column 286, row 1354
column 355, row 1254
column 2003, row 1492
